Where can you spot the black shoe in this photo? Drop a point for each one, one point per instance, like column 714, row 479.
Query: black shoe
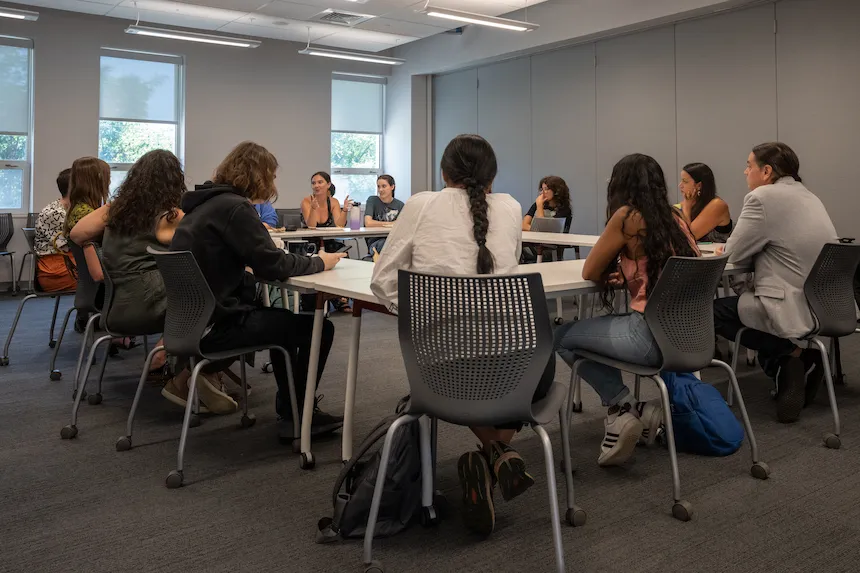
column 790, row 389
column 813, row 366
column 81, row 323
column 323, row 423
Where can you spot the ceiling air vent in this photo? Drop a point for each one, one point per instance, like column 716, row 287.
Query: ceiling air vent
column 341, row 18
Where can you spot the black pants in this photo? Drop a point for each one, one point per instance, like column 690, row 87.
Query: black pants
column 282, row 328
column 770, row 348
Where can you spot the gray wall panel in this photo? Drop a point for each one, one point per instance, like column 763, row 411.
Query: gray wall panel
column 726, row 95
column 635, row 103
column 455, row 111
column 818, row 59
column 504, row 119
column 563, row 128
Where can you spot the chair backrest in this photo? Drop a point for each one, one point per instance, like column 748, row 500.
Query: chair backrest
column 190, row 302
column 31, row 220
column 680, row 311
column 548, row 224
column 30, row 235
column 475, row 347
column 88, row 289
column 289, row 217
column 108, row 300
column 6, row 230
column 829, row 289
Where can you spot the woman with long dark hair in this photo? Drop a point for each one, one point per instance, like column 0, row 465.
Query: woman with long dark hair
column 465, row 229
column 706, row 212
column 642, row 232
column 320, row 208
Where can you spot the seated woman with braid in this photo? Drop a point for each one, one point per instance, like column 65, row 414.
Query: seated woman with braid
column 465, row 230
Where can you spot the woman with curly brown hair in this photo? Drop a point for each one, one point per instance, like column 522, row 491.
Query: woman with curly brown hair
column 224, row 232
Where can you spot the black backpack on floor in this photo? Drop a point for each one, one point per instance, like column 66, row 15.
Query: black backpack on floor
column 353, row 489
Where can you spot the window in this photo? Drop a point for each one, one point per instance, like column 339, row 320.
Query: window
column 15, row 73
column 140, row 108
column 357, row 110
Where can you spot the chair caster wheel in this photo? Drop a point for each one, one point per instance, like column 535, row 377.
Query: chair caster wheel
column 194, row 421
column 559, row 320
column 577, row 408
column 174, row 479
column 248, row 420
column 52, row 344
column 307, row 462
column 374, row 567
column 576, row 516
column 56, row 375
column 297, row 446
column 429, row 517
column 267, row 368
column 123, row 444
column 69, row 432
column 760, row 470
column 832, row 441
column 4, row 361
column 94, row 399
column 682, row 510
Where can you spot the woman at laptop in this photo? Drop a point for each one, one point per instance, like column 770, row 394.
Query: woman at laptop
column 553, row 201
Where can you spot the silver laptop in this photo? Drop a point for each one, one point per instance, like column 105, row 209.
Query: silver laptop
column 548, row 225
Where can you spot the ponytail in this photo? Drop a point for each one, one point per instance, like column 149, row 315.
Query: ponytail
column 480, row 224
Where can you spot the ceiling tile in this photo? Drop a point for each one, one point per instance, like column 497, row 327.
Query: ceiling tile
column 339, row 41
column 400, row 27
column 182, row 8
column 238, row 5
column 166, row 18
column 83, row 6
column 288, row 33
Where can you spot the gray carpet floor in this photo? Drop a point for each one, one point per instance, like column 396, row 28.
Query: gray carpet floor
column 80, row 505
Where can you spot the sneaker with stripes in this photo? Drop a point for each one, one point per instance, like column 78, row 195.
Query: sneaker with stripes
column 623, row 430
column 651, row 415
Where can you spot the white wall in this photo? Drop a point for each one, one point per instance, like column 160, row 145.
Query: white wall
column 704, row 90
column 270, row 94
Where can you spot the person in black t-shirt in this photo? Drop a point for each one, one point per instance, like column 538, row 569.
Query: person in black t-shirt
column 553, row 201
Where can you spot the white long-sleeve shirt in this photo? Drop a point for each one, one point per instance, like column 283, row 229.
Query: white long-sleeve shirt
column 433, row 234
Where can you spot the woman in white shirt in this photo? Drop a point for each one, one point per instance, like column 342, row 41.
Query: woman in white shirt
column 465, row 230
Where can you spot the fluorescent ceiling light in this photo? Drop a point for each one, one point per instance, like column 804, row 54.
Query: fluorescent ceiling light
column 356, row 56
column 18, row 14
column 192, row 37
column 480, row 19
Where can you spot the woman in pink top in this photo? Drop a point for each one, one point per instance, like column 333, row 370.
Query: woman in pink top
column 642, row 232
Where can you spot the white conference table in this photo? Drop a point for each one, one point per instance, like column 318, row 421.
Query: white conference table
column 331, row 233
column 351, row 279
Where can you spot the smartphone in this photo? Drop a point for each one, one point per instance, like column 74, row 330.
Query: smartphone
column 343, row 248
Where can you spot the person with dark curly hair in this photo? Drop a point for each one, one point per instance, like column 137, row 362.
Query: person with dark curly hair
column 642, row 232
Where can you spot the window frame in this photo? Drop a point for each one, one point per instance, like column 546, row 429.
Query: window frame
column 24, row 165
column 179, row 79
column 375, row 171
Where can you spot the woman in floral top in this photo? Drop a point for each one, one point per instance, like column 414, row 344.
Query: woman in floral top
column 56, row 268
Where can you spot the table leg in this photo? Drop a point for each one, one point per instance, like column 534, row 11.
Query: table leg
column 296, row 302
column 266, row 301
column 284, row 299
column 351, row 378
column 539, row 254
column 310, row 388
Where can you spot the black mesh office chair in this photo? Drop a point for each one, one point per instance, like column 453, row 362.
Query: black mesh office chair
column 31, row 220
column 475, row 349
column 6, row 232
column 190, row 305
column 829, row 290
column 289, row 217
column 71, row 431
column 33, row 293
column 680, row 316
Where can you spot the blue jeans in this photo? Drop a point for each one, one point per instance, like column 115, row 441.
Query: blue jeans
column 624, row 337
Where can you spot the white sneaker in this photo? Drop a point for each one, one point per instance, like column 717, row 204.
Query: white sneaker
column 623, row 430
column 651, row 415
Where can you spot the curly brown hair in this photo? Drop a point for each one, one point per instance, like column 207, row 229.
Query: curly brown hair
column 89, row 183
column 560, row 191
column 154, row 185
column 250, row 169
